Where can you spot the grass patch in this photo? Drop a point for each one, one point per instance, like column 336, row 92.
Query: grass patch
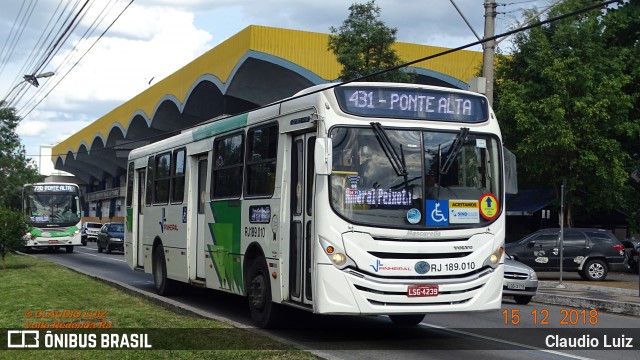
column 30, row 284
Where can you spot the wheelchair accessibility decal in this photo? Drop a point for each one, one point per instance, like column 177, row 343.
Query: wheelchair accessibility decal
column 437, row 212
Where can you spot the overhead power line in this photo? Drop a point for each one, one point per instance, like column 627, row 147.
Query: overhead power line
column 426, row 58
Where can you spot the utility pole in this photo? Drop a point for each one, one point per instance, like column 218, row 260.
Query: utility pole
column 489, row 47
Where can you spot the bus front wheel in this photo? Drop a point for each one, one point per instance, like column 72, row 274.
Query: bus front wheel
column 164, row 286
column 263, row 310
column 69, row 249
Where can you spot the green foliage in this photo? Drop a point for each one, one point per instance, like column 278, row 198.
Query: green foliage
column 13, row 226
column 565, row 99
column 15, row 168
column 363, row 46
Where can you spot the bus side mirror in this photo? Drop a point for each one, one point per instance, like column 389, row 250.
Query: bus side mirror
column 323, row 156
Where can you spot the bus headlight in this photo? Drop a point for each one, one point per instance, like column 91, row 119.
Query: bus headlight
column 336, row 254
column 494, row 259
column 76, row 232
column 339, row 259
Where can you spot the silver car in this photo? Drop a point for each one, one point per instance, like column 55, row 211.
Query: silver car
column 520, row 281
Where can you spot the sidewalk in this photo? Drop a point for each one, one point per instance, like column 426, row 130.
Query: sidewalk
column 619, row 295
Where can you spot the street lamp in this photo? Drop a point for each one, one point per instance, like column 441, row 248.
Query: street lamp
column 31, row 79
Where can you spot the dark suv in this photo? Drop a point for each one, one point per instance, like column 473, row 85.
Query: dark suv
column 590, row 252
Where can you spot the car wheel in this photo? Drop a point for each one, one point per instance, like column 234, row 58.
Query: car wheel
column 99, row 247
column 263, row 311
column 522, row 299
column 108, row 249
column 164, row 286
column 407, row 320
column 595, row 270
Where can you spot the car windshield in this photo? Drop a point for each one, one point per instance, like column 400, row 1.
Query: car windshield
column 94, row 226
column 414, row 179
column 116, row 228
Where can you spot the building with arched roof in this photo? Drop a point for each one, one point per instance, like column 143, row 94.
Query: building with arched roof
column 254, row 67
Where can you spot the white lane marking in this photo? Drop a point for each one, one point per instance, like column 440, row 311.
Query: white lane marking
column 102, row 257
column 506, row 342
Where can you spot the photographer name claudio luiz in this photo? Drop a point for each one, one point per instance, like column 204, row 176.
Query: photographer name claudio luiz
column 601, row 342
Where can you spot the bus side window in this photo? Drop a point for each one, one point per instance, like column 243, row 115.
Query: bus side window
column 262, row 153
column 226, row 179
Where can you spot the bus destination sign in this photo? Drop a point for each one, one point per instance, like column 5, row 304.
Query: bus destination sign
column 412, row 103
column 53, row 188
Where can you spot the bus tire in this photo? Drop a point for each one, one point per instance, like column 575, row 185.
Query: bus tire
column 69, row 249
column 263, row 311
column 407, row 320
column 164, row 286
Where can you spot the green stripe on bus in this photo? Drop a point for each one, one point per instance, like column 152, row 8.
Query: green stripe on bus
column 69, row 232
column 129, row 219
column 226, row 237
column 220, row 126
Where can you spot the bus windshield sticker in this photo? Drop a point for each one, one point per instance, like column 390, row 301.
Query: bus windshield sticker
column 464, row 212
column 260, row 214
column 411, row 103
column 413, row 216
column 437, row 212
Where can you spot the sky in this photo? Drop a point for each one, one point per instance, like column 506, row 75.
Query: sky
column 121, row 47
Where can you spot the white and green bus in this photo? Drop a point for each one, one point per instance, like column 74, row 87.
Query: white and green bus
column 55, row 213
column 358, row 199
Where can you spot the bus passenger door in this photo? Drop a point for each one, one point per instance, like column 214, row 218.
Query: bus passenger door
column 302, row 187
column 140, row 218
column 201, row 225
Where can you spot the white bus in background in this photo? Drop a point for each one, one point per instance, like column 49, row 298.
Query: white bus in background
column 55, row 215
column 358, row 199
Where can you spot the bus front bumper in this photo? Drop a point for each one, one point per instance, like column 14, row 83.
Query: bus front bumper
column 351, row 292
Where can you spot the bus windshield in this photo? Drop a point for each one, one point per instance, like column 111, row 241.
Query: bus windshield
column 415, row 179
column 52, row 208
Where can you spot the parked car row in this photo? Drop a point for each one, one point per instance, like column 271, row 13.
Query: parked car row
column 591, row 252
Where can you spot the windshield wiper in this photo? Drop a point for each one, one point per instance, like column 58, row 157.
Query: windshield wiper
column 396, row 160
column 454, row 149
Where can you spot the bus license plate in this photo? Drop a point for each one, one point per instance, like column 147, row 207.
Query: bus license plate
column 53, row 241
column 422, row 290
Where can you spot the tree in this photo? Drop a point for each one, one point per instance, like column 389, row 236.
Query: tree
column 15, row 168
column 363, row 46
column 565, row 112
column 13, row 226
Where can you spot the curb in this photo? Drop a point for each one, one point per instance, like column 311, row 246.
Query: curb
column 600, row 289
column 609, row 306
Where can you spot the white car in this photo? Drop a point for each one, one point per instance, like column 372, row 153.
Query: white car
column 89, row 231
column 520, row 281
